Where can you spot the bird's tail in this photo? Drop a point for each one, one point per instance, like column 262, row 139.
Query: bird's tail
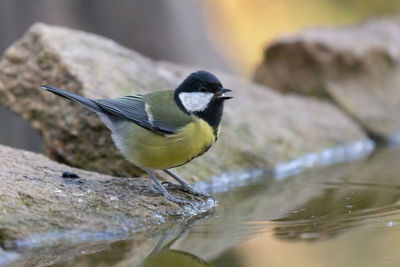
column 76, row 98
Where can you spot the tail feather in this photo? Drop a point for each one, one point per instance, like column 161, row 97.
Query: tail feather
column 76, row 98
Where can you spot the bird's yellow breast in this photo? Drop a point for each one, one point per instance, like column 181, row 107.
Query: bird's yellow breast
column 157, row 151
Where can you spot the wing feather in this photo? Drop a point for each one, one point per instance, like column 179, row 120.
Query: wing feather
column 133, row 108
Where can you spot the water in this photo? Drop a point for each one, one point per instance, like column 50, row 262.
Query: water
column 346, row 214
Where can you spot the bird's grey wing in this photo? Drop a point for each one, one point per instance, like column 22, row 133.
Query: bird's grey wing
column 133, row 108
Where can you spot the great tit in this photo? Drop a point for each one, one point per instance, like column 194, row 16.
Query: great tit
column 165, row 129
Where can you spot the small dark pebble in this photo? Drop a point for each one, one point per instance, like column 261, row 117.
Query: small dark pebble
column 70, row 175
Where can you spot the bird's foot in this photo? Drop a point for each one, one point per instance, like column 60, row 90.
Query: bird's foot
column 188, row 189
column 177, row 200
column 166, row 194
column 150, row 190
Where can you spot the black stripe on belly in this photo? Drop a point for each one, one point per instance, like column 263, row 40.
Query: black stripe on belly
column 198, row 155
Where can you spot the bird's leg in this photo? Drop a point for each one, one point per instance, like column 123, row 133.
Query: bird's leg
column 184, row 186
column 162, row 191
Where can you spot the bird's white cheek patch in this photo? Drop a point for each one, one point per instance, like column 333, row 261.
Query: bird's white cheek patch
column 195, row 101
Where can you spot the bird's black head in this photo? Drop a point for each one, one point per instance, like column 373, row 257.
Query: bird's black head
column 202, row 94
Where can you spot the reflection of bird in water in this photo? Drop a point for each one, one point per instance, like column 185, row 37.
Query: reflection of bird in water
column 164, row 256
column 173, row 258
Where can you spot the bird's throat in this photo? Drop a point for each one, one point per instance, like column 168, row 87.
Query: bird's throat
column 212, row 115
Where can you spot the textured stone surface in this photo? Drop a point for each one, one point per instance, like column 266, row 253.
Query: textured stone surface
column 260, row 127
column 35, row 200
column 356, row 66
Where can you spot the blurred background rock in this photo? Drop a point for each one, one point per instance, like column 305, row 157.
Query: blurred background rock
column 225, row 34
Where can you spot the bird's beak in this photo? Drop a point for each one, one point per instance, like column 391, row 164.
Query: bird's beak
column 221, row 94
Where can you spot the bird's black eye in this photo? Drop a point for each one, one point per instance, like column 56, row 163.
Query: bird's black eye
column 203, row 89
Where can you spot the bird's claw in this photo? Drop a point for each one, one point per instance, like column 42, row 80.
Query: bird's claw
column 151, row 190
column 176, row 200
column 188, row 189
column 166, row 194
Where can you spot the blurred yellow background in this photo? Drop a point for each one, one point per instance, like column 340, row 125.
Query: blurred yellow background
column 240, row 29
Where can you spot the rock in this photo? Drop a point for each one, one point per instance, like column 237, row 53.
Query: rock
column 356, row 67
column 261, row 128
column 36, row 201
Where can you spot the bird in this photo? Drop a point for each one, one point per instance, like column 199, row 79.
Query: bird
column 164, row 129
